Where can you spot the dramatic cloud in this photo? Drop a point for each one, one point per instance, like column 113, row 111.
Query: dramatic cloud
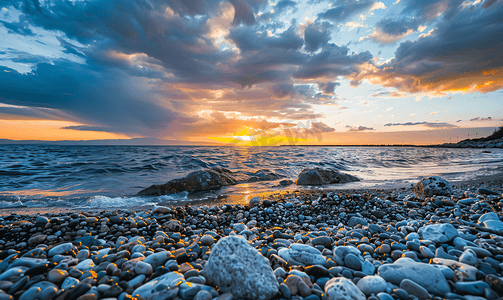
column 176, row 69
column 441, row 125
column 462, row 55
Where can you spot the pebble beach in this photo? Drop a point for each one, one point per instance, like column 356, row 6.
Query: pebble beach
column 435, row 241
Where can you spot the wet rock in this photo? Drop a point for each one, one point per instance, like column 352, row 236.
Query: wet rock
column 37, row 239
column 320, row 176
column 236, row 267
column 415, row 289
column 495, row 283
column 471, row 288
column 303, row 254
column 484, row 191
column 340, row 288
column 157, row 284
column 254, row 201
column 372, row 285
column 197, row 181
column 491, row 221
column 438, row 233
column 433, row 186
column 357, row 221
column 60, row 249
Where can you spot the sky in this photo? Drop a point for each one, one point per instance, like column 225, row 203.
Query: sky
column 251, row 72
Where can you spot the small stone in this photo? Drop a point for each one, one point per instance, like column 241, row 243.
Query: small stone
column 85, row 265
column 357, row 221
column 384, row 296
column 491, row 221
column 143, row 268
column 174, row 226
column 426, row 252
column 352, row 262
column 368, row 268
column 414, row 289
column 372, row 285
column 203, row 295
column 471, row 287
column 254, row 201
column 484, row 191
column 37, row 239
column 60, row 249
column 495, row 283
column 69, row 282
column 339, row 288
column 303, row 254
column 207, row 240
column 41, row 221
column 438, row 233
column 57, row 275
column 469, row 257
column 285, row 291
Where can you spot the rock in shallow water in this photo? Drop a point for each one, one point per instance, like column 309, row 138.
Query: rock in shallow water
column 236, row 267
column 320, row 176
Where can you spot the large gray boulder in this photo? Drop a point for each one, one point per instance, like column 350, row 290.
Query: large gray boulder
column 427, row 276
column 433, row 186
column 321, row 176
column 203, row 180
column 236, row 267
column 210, row 179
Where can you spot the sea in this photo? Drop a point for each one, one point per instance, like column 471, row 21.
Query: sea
column 88, row 177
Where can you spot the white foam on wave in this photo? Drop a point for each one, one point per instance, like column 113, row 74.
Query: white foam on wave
column 11, row 204
column 177, row 196
column 116, row 202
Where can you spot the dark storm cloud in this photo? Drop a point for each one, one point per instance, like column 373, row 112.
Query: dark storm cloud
column 463, row 53
column 317, row 35
column 63, row 87
column 343, row 10
column 425, row 124
column 145, row 67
